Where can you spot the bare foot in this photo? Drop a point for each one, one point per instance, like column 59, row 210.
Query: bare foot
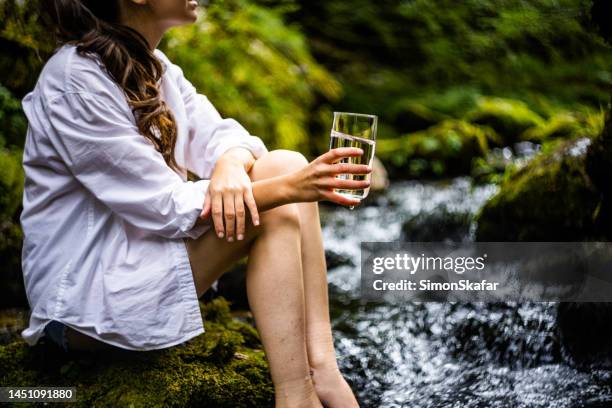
column 332, row 388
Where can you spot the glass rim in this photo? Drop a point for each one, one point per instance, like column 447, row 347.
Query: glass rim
column 367, row 115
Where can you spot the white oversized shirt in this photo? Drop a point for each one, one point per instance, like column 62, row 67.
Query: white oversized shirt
column 103, row 216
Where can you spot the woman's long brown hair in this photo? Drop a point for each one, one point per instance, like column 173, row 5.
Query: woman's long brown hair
column 93, row 26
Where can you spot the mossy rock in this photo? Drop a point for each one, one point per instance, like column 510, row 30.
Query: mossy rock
column 445, row 149
column 508, row 117
column 224, row 367
column 599, row 158
column 565, row 125
column 599, row 168
column 552, row 198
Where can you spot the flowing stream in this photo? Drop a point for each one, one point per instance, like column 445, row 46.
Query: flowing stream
column 442, row 354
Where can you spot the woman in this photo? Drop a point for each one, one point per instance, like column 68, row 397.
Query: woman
column 120, row 244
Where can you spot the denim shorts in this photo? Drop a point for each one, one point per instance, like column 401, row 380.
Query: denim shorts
column 56, row 332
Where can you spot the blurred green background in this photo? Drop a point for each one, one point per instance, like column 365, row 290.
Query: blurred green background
column 451, row 81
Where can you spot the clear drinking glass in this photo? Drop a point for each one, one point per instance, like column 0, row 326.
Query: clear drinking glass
column 354, row 130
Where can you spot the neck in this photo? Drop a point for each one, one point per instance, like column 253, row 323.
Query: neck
column 141, row 21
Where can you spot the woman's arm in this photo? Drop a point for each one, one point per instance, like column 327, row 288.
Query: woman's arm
column 315, row 182
column 104, row 150
column 268, row 193
column 240, row 154
column 211, row 136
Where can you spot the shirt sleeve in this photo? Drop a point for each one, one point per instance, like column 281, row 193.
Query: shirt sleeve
column 101, row 146
column 210, row 135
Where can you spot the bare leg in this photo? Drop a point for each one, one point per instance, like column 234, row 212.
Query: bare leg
column 274, row 287
column 330, row 385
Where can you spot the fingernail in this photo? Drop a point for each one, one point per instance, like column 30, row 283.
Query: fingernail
column 230, row 239
column 240, row 237
column 220, row 235
column 256, row 221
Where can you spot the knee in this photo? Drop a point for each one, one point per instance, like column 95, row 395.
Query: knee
column 286, row 215
column 276, row 163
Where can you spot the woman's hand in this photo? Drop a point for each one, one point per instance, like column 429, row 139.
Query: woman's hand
column 316, row 181
column 229, row 190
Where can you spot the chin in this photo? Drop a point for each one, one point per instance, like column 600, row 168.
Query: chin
column 192, row 16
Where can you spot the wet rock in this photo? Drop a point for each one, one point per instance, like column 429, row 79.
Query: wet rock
column 441, row 224
column 599, row 168
column 334, row 259
column 552, row 198
column 224, row 367
column 584, row 331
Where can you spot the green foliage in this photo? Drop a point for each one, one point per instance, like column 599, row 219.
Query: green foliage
column 11, row 183
column 13, row 123
column 447, row 53
column 408, row 115
column 509, row 118
column 255, row 68
column 25, row 44
column 11, row 190
column 224, row 367
column 446, row 148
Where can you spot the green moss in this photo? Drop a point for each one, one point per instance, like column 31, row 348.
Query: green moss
column 566, row 125
column 444, row 149
column 508, row 117
column 11, row 182
column 11, row 189
column 550, row 199
column 224, row 367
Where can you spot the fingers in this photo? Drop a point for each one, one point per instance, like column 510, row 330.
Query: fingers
column 229, row 215
column 344, row 168
column 249, row 199
column 346, row 184
column 217, row 213
column 207, row 206
column 229, row 212
column 338, row 153
column 240, row 215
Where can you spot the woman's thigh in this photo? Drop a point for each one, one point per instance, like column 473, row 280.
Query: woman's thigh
column 210, row 256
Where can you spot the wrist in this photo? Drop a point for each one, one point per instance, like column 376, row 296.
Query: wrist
column 287, row 190
column 238, row 155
